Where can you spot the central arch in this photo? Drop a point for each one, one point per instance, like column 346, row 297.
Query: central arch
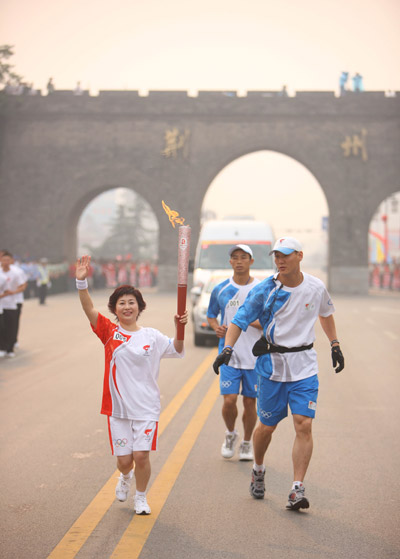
column 271, row 186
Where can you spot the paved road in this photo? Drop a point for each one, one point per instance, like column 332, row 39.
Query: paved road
column 58, row 478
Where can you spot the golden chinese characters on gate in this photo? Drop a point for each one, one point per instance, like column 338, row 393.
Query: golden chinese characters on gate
column 352, row 144
column 174, row 142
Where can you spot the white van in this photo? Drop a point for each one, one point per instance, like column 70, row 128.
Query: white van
column 216, row 236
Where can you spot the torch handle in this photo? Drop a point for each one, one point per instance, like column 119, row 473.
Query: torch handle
column 180, row 331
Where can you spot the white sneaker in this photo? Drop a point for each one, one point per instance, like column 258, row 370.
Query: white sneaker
column 257, row 485
column 123, row 486
column 10, row 354
column 2, row 353
column 297, row 499
column 140, row 505
column 228, row 446
column 245, row 451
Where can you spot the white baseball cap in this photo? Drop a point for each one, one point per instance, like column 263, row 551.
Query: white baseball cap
column 245, row 248
column 287, row 245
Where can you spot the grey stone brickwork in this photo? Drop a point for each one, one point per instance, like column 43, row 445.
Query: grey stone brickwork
column 58, row 152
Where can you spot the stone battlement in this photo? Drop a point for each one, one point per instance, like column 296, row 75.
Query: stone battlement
column 181, row 103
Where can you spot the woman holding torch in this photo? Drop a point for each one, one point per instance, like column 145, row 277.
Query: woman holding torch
column 131, row 397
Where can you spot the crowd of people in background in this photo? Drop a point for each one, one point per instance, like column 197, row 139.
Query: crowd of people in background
column 45, row 278
column 24, row 278
column 110, row 274
column 18, row 281
column 385, row 276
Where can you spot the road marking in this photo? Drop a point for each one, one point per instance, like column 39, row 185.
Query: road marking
column 80, row 531
column 135, row 536
column 390, row 335
column 177, row 401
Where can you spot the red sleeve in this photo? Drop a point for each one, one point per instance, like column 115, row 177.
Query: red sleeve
column 103, row 329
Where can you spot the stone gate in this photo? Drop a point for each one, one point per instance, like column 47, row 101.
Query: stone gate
column 60, row 151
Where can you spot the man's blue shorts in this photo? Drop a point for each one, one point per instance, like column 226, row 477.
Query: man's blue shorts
column 274, row 397
column 230, row 379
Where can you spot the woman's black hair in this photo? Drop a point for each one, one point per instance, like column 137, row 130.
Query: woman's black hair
column 126, row 290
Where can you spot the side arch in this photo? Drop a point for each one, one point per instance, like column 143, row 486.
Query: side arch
column 71, row 236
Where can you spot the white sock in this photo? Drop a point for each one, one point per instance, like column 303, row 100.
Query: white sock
column 246, row 441
column 298, row 483
column 128, row 475
column 234, row 432
column 140, row 493
column 258, row 468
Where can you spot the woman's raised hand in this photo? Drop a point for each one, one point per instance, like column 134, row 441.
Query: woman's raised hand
column 82, row 267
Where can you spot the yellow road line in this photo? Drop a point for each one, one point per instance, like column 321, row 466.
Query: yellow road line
column 135, row 536
column 80, row 531
column 176, row 403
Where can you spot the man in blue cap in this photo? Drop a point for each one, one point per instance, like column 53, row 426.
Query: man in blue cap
column 287, row 305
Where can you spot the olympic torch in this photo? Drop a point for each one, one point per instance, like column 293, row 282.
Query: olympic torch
column 183, row 269
column 183, row 262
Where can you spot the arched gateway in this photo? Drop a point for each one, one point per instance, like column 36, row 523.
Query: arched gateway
column 60, row 151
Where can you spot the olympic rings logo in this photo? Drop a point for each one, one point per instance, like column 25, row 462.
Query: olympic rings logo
column 121, row 442
column 226, row 383
column 265, row 414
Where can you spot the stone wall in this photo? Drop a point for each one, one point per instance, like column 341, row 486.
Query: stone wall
column 59, row 152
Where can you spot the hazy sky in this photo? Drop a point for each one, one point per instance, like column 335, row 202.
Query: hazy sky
column 209, row 44
column 213, row 44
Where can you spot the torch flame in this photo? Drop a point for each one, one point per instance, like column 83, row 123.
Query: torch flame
column 173, row 216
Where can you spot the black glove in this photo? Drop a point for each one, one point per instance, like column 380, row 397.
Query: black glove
column 337, row 359
column 222, row 359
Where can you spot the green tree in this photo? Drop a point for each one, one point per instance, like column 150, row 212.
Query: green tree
column 7, row 74
column 146, row 229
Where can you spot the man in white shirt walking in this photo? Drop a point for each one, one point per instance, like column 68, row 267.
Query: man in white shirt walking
column 225, row 300
column 15, row 284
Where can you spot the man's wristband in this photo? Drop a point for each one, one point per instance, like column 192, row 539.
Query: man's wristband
column 82, row 284
column 228, row 346
column 334, row 342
